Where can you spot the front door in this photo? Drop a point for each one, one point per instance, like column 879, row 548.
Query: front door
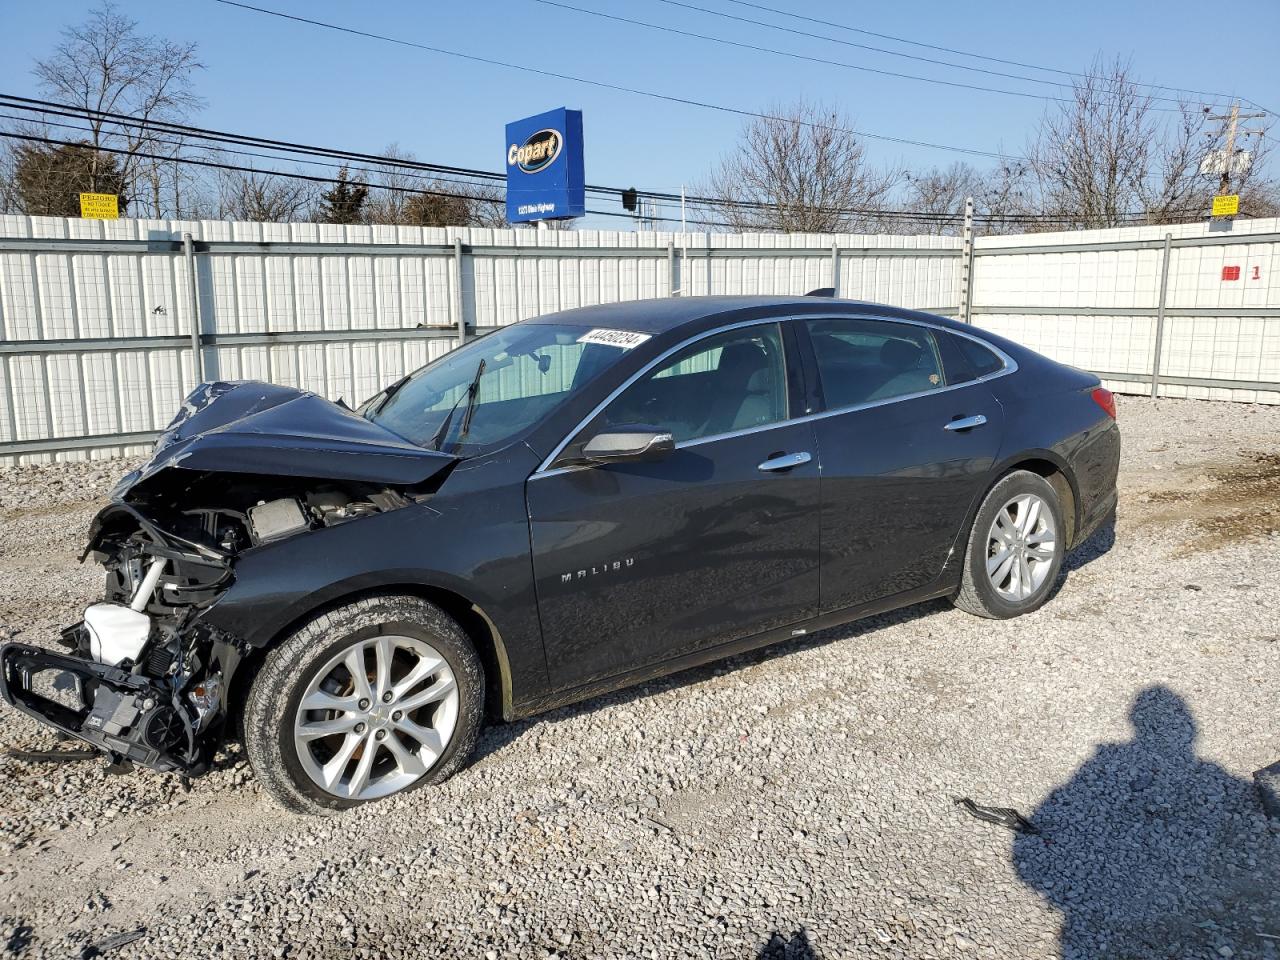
column 637, row 563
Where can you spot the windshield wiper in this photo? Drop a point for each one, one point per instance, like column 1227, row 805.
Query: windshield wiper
column 472, row 391
column 388, row 394
column 472, row 394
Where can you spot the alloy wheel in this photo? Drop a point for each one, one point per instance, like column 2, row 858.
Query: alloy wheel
column 1021, row 546
column 376, row 717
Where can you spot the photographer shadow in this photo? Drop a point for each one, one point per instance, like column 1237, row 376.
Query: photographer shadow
column 1151, row 851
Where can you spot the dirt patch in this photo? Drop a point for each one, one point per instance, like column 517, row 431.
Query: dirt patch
column 1237, row 502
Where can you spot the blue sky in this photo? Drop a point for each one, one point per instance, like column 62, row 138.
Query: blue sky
column 296, row 82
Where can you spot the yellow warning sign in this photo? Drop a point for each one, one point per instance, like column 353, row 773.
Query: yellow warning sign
column 1227, row 206
column 102, row 206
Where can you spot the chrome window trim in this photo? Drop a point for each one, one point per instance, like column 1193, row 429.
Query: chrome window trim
column 1010, row 366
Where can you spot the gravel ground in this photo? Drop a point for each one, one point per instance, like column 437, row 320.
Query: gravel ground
column 794, row 803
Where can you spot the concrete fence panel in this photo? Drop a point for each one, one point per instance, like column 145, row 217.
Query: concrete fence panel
column 98, row 318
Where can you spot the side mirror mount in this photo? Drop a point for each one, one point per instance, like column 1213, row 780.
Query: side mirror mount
column 632, row 444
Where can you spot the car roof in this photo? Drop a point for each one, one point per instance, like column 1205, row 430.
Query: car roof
column 667, row 314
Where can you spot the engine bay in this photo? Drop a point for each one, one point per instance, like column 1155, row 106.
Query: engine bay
column 147, row 679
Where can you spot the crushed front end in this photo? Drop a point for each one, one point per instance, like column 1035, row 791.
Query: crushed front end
column 146, row 679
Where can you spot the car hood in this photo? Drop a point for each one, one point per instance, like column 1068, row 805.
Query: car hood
column 263, row 428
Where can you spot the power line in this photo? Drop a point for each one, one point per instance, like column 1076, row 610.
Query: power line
column 57, row 109
column 669, row 98
column 203, row 133
column 221, row 137
column 795, row 56
column 216, row 165
column 722, row 202
column 432, row 178
column 921, row 217
column 839, row 63
column 51, row 141
column 962, row 53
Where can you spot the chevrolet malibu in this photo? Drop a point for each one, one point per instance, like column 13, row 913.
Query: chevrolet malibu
column 562, row 507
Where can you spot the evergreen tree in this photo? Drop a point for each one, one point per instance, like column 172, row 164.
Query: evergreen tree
column 48, row 180
column 344, row 201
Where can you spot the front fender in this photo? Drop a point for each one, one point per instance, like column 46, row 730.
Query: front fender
column 475, row 546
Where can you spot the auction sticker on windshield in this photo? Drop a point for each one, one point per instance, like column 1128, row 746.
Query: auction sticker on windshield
column 614, row 338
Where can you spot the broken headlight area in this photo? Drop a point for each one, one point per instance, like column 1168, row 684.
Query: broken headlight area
column 147, row 679
column 122, row 712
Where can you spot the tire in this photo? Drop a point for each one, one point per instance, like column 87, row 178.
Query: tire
column 1023, row 580
column 423, row 734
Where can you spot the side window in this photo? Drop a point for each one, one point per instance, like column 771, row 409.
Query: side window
column 861, row 361
column 728, row 382
column 978, row 358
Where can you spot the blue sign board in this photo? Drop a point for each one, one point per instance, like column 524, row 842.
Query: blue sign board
column 545, row 179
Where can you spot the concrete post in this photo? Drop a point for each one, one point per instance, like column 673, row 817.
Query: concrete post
column 458, row 316
column 1164, row 291
column 966, row 265
column 193, row 309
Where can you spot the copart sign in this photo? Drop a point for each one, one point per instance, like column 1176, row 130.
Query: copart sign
column 545, row 179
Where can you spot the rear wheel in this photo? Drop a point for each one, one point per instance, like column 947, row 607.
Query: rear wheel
column 365, row 701
column 1015, row 548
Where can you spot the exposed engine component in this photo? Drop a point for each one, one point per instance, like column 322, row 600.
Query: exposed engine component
column 271, row 520
column 113, row 713
column 117, row 632
column 150, row 679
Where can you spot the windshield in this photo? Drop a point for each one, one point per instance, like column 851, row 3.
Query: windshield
column 459, row 406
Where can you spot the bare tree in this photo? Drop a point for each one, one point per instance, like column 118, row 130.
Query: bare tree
column 1260, row 198
column 940, row 193
column 389, row 188
column 10, row 202
column 801, row 169
column 105, row 64
column 1092, row 157
column 1110, row 153
column 399, row 196
column 486, row 204
column 265, row 197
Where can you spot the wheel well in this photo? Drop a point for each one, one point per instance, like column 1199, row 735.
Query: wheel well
column 1062, row 486
column 473, row 621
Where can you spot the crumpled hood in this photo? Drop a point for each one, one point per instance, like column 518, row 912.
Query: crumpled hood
column 254, row 427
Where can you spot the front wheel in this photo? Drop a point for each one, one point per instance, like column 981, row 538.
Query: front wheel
column 365, row 701
column 1015, row 549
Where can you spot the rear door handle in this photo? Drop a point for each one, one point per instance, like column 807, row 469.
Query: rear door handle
column 784, row 461
column 966, row 423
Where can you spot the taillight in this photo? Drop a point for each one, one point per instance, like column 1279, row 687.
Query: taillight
column 1106, row 400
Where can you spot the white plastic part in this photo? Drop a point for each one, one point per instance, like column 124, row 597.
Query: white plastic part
column 142, row 596
column 116, row 632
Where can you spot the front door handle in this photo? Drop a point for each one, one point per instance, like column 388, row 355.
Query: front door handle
column 784, row 461
column 966, row 423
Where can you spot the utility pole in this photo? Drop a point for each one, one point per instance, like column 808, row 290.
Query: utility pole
column 1232, row 121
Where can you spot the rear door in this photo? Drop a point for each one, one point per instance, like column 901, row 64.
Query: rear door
column 637, row 563
column 904, row 453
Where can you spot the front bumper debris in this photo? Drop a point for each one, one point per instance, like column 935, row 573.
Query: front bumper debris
column 124, row 715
